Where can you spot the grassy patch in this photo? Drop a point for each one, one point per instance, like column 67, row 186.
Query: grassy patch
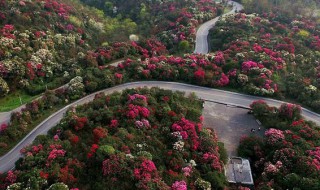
column 13, row 100
column 227, row 9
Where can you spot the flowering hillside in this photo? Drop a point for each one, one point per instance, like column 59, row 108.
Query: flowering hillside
column 288, row 157
column 137, row 139
column 271, row 51
column 173, row 22
column 43, row 41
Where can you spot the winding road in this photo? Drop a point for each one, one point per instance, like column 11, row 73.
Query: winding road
column 203, row 31
column 233, row 99
column 208, row 94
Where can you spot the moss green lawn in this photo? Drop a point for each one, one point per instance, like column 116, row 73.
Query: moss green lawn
column 11, row 102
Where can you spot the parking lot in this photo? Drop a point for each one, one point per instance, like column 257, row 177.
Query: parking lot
column 230, row 124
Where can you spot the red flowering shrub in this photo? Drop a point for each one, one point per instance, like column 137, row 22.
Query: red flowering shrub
column 260, row 107
column 93, row 150
column 99, row 133
column 78, row 122
column 290, row 111
column 114, row 123
column 74, row 139
column 199, row 74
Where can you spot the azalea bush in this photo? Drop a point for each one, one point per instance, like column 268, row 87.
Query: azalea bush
column 137, row 139
column 287, row 157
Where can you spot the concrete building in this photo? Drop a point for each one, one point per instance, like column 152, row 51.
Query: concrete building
column 238, row 172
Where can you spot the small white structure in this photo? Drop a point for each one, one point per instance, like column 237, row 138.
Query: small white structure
column 238, row 171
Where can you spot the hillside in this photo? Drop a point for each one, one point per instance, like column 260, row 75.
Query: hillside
column 137, row 139
column 47, row 43
column 42, row 42
column 174, row 23
column 272, row 52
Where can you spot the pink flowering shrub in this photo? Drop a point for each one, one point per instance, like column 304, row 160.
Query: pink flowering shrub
column 3, row 127
column 135, row 111
column 187, row 170
column 179, row 185
column 315, row 155
column 213, row 160
column 272, row 169
column 189, row 131
column 274, row 136
column 263, row 54
column 137, row 96
column 246, row 66
column 54, row 154
column 145, row 170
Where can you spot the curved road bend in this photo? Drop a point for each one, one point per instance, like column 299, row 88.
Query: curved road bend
column 201, row 47
column 203, row 31
column 209, row 94
column 5, row 116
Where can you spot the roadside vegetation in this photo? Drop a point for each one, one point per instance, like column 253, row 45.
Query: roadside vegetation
column 287, row 157
column 136, row 139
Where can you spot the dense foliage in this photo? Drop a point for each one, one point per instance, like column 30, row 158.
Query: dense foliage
column 43, row 42
column 137, row 139
column 173, row 22
column 197, row 69
column 268, row 49
column 288, row 157
column 68, row 36
column 308, row 8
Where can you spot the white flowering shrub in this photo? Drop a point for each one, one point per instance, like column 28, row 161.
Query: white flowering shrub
column 4, row 88
column 75, row 87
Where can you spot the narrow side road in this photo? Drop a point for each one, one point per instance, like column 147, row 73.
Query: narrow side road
column 203, row 31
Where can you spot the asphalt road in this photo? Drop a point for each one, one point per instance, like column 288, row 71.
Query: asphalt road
column 203, row 31
column 208, row 94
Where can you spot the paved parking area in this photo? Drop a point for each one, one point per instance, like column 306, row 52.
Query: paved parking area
column 230, row 124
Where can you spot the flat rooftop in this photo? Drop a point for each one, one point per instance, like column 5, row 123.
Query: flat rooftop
column 238, row 171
